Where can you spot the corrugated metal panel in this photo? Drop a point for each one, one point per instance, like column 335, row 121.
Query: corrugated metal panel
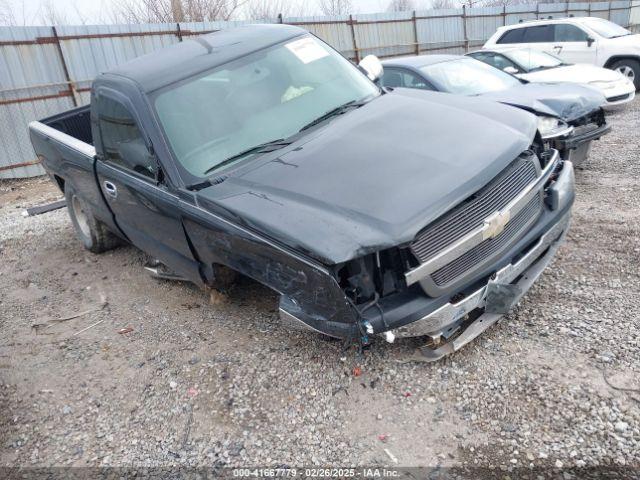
column 34, row 83
column 483, row 22
column 441, row 32
column 25, row 62
column 517, row 13
column 620, row 12
column 334, row 30
column 599, row 9
column 634, row 15
column 579, row 9
column 385, row 34
column 92, row 49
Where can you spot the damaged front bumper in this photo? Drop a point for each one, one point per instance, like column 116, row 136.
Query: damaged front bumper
column 576, row 146
column 489, row 303
column 453, row 322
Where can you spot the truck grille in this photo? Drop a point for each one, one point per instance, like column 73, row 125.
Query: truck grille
column 471, row 214
column 488, row 248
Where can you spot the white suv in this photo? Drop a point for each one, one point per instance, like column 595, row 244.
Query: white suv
column 577, row 40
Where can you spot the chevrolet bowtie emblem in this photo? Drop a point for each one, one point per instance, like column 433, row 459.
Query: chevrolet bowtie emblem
column 494, row 224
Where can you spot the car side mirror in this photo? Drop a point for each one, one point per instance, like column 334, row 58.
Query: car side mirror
column 510, row 70
column 372, row 66
column 590, row 41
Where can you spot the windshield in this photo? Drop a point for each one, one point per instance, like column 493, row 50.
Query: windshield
column 267, row 95
column 467, row 76
column 533, row 60
column 606, row 29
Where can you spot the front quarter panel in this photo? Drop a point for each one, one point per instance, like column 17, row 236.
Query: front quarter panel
column 308, row 287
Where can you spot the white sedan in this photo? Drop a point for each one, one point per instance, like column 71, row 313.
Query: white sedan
column 541, row 67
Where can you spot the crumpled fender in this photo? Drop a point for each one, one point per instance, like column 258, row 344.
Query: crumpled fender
column 564, row 100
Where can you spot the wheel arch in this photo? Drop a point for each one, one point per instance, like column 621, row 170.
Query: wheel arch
column 614, row 58
column 59, row 181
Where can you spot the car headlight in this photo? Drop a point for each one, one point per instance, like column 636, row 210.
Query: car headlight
column 551, row 127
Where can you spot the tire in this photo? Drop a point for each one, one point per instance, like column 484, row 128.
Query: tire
column 629, row 68
column 93, row 234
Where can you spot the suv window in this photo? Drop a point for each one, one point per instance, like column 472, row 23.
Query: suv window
column 565, row 32
column 512, row 36
column 395, row 77
column 538, row 34
column 122, row 141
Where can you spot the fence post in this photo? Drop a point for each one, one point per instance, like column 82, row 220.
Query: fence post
column 353, row 39
column 609, row 14
column 464, row 28
column 64, row 67
column 415, row 32
column 504, row 15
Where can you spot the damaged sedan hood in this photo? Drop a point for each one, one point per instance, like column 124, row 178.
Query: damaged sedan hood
column 373, row 177
column 564, row 100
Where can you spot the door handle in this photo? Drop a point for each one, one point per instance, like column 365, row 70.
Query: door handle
column 110, row 188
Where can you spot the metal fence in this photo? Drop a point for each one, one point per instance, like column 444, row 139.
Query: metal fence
column 45, row 70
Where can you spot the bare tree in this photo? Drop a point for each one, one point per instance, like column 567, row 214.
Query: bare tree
column 442, row 4
column 49, row 14
column 401, row 5
column 168, row 11
column 264, row 9
column 7, row 15
column 335, row 7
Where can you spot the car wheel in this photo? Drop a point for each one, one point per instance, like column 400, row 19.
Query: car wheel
column 93, row 234
column 630, row 69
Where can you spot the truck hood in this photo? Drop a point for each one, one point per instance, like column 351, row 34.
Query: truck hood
column 373, row 177
column 564, row 100
column 579, row 73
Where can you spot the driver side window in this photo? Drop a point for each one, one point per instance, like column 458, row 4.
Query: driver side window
column 122, row 142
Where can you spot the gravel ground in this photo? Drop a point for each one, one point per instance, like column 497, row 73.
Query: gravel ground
column 554, row 384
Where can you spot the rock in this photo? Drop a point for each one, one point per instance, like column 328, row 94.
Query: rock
column 621, row 427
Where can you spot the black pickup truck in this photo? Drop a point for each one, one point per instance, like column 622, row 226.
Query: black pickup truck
column 261, row 150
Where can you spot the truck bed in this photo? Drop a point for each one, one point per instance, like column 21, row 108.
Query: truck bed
column 64, row 145
column 75, row 123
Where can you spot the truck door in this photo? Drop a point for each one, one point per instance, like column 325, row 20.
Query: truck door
column 130, row 178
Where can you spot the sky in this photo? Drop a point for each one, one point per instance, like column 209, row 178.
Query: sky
column 30, row 12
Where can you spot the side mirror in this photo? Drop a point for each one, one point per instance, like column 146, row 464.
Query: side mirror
column 510, row 70
column 590, row 41
column 372, row 67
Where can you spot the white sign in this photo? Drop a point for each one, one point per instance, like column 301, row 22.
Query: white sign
column 307, row 50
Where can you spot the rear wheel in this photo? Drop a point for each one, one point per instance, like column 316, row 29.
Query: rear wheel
column 93, row 234
column 630, row 69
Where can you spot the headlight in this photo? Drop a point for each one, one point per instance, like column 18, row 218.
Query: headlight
column 551, row 127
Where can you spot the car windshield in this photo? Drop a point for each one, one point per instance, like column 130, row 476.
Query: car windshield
column 606, row 29
column 532, row 60
column 467, row 76
column 220, row 116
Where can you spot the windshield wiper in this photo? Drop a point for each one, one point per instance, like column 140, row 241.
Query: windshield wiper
column 333, row 112
column 262, row 148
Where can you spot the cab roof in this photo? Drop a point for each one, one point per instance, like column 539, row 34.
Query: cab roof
column 193, row 56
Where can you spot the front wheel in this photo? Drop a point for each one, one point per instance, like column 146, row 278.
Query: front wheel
column 630, row 69
column 93, row 234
